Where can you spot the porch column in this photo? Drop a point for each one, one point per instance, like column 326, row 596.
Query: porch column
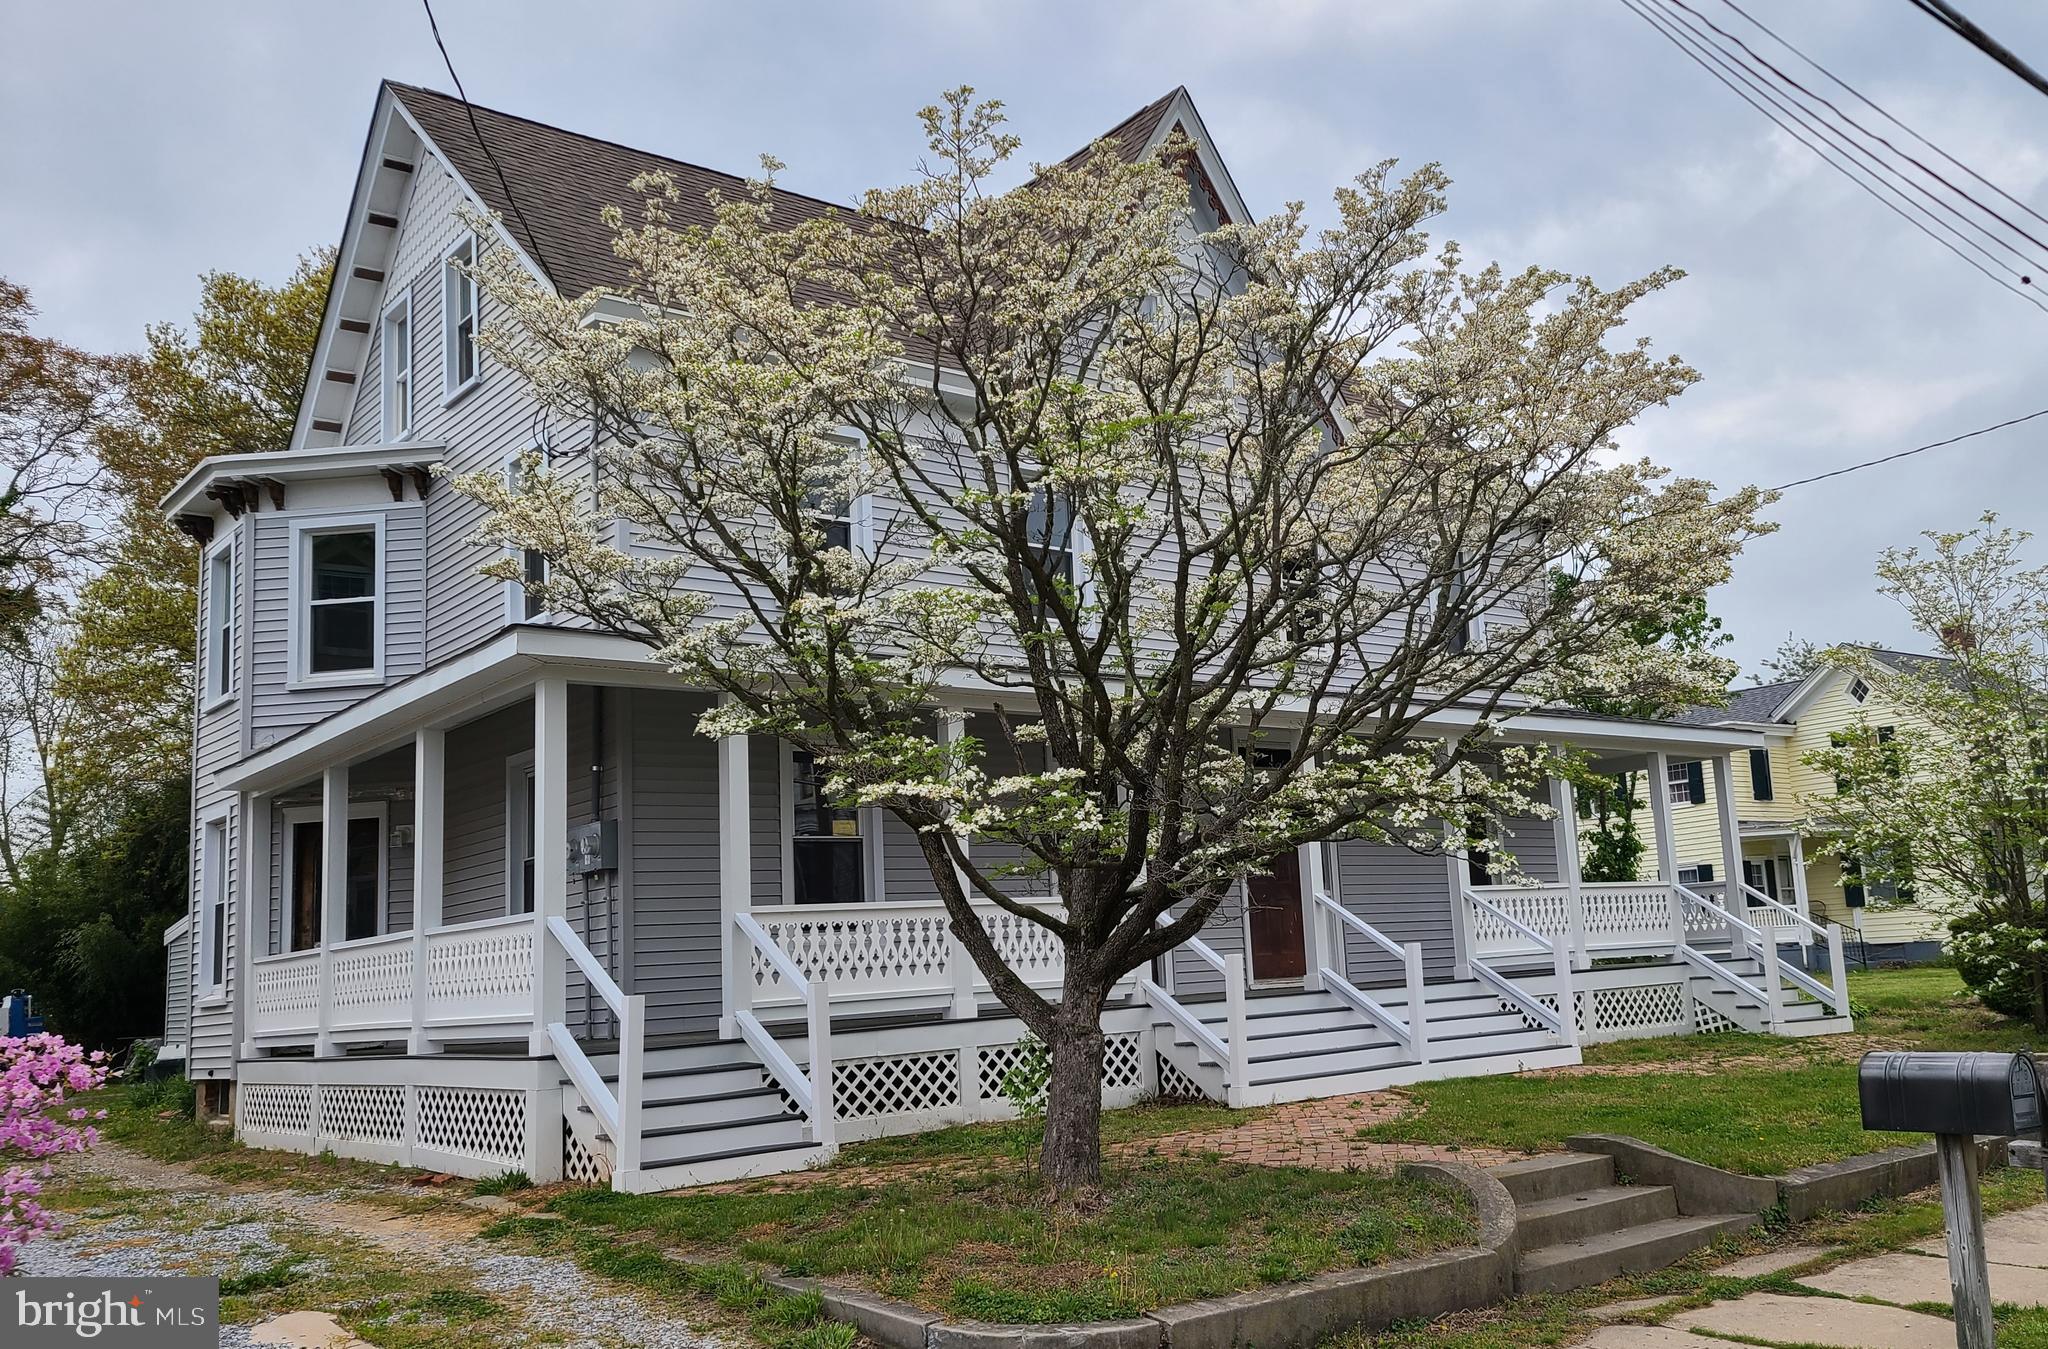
column 1731, row 831
column 1660, row 817
column 952, row 725
column 735, row 875
column 1798, row 864
column 252, row 912
column 333, row 891
column 1564, row 801
column 429, row 777
column 550, row 855
column 1324, row 946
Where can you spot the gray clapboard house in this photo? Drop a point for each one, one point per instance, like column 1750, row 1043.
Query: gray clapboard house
column 470, row 891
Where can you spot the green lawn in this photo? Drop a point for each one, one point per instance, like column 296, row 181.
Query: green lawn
column 982, row 1242
column 1763, row 1105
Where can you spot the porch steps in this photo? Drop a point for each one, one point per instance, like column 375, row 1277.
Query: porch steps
column 1576, row 1227
column 706, row 1116
column 1303, row 1045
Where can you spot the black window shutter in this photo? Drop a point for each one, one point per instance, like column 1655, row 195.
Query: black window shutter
column 1852, row 882
column 1706, row 868
column 1760, row 774
column 1696, row 780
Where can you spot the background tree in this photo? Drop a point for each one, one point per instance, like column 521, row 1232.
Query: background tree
column 1613, row 845
column 53, row 399
column 1121, row 496
column 1953, row 805
column 229, row 385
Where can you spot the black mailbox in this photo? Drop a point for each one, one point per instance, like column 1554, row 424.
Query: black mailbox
column 1947, row 1093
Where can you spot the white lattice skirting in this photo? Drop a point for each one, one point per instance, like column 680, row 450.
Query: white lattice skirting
column 1634, row 1010
column 478, row 1129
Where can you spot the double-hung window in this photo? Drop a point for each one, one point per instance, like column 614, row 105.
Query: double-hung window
column 1049, row 530
column 828, row 857
column 1685, row 782
column 211, row 954
column 459, row 310
column 338, row 584
column 524, row 602
column 520, row 802
column 220, row 624
column 397, row 365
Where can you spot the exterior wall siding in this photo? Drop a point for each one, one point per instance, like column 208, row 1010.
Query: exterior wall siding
column 1406, row 895
column 217, row 742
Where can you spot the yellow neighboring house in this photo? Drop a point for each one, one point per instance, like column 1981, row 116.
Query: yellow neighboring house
column 1774, row 789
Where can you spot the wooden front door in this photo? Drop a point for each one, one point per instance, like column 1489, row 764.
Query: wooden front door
column 1273, row 911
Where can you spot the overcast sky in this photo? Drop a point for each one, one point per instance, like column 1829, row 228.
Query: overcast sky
column 144, row 143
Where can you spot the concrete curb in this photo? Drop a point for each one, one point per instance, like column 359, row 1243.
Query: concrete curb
column 1806, row 1192
column 1289, row 1316
column 1840, row 1185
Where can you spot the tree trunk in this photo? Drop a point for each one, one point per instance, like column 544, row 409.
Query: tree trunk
column 1070, row 1158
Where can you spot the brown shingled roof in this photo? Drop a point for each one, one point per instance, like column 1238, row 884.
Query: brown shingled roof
column 564, row 181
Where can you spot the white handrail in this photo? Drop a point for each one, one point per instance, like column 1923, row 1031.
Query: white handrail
column 1412, row 1031
column 600, row 979
column 1233, row 1049
column 1564, row 1021
column 621, row 1109
column 1838, row 996
column 1359, row 925
column 813, row 1091
column 1180, row 1016
column 1700, row 960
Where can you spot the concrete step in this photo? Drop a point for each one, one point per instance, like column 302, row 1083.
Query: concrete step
column 1574, row 1217
column 1567, row 1265
column 1555, row 1174
column 1276, row 1065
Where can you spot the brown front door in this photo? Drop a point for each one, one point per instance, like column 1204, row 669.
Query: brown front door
column 1273, row 904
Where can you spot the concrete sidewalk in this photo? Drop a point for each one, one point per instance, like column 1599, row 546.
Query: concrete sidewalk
column 2016, row 1244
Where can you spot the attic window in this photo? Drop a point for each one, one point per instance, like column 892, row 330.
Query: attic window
column 1858, row 690
column 459, row 320
column 397, row 366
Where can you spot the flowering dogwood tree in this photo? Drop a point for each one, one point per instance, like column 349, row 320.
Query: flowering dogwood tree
column 1157, row 494
column 38, row 1076
column 1949, row 804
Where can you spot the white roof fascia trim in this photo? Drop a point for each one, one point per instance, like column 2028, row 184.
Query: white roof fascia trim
column 328, row 462
column 1809, row 688
column 177, row 929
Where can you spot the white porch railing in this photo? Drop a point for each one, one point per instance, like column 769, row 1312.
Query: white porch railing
column 1411, row 1031
column 1599, row 919
column 478, row 984
column 1479, row 913
column 892, row 956
column 811, row 1091
column 618, row 1111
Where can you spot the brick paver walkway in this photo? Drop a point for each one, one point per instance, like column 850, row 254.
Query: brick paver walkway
column 1321, row 1134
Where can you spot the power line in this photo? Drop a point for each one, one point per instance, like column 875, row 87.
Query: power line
column 1708, row 57
column 1917, row 449
column 511, row 198
column 1835, row 109
column 1857, row 94
column 1953, row 19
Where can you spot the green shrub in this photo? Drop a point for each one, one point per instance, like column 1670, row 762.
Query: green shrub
column 1995, row 960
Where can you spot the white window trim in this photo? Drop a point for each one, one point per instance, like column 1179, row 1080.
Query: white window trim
column 872, row 870
column 465, row 249
column 403, row 426
column 213, row 872
column 518, row 769
column 212, row 696
column 1677, row 778
column 299, row 639
column 365, row 810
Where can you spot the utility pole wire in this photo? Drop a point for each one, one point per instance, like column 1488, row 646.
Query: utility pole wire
column 1917, row 449
column 532, row 238
column 1953, row 19
column 1859, row 96
column 1691, row 46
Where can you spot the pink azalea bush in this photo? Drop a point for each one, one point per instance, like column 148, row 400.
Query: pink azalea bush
column 38, row 1075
